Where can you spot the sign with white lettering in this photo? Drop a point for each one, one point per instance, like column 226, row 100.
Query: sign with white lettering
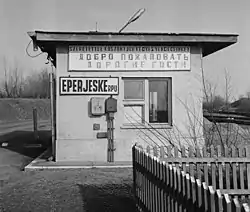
column 129, row 58
column 89, row 85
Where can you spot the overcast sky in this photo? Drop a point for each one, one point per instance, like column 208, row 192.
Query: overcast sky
column 191, row 16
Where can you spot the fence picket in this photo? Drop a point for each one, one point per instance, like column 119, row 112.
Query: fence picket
column 212, row 202
column 167, row 190
column 213, row 167
column 198, row 165
column 150, row 185
column 199, row 194
column 191, row 165
column 184, row 191
column 205, row 167
column 162, row 208
column 183, row 154
column 227, row 165
column 236, row 205
column 205, row 197
column 154, row 185
column 188, row 194
column 148, row 182
column 179, row 183
column 145, row 180
column 157, row 187
column 193, row 191
column 138, row 183
column 234, row 154
column 175, row 189
column 242, row 170
column 227, row 205
column 171, row 187
column 246, row 207
column 220, row 168
column 219, row 200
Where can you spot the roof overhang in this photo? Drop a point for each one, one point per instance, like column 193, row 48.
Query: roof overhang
column 210, row 43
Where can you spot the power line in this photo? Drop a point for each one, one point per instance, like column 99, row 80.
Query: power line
column 32, row 56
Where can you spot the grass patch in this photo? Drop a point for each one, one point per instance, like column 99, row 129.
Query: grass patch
column 71, row 190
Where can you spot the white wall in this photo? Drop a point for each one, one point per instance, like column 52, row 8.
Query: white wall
column 76, row 139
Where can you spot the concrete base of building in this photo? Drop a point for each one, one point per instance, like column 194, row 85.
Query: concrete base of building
column 92, row 150
column 42, row 163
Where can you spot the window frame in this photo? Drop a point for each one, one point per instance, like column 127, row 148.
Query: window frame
column 145, row 107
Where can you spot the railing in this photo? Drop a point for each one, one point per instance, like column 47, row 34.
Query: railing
column 160, row 186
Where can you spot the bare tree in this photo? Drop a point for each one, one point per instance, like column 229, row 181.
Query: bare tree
column 37, row 85
column 223, row 133
column 13, row 79
column 228, row 88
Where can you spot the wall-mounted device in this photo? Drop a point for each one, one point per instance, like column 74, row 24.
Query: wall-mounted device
column 111, row 105
column 97, row 106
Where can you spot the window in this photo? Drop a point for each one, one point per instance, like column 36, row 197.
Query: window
column 134, row 89
column 158, row 101
column 147, row 101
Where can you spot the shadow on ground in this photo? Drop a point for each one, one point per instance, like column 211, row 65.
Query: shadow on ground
column 19, row 140
column 107, row 197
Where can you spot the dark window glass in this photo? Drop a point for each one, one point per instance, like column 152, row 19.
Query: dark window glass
column 158, row 101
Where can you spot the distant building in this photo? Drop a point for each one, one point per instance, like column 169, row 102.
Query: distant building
column 241, row 105
column 115, row 89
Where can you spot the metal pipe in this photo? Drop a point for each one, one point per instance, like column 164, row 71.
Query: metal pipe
column 112, row 138
column 52, row 110
column 110, row 131
column 108, row 136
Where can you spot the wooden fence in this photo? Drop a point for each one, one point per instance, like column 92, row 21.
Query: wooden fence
column 161, row 186
column 227, row 168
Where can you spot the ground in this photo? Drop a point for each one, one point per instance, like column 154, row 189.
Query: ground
column 61, row 190
column 70, row 190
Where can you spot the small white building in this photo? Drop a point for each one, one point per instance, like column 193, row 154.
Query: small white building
column 153, row 82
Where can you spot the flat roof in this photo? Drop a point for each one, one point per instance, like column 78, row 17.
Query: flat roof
column 210, row 43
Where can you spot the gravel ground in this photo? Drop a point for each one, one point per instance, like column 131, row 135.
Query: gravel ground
column 70, row 190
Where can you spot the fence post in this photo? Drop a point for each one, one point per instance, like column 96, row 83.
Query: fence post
column 35, row 123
